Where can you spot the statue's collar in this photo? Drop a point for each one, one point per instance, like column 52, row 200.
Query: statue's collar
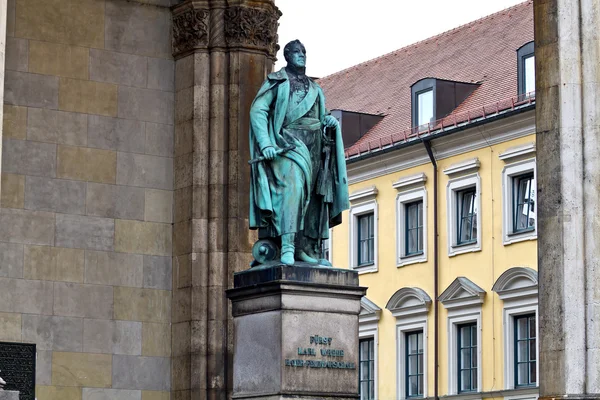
column 280, row 75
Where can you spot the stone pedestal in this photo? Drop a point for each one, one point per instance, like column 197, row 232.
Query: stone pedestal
column 9, row 395
column 295, row 333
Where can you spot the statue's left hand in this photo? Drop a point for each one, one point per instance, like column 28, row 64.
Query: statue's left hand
column 330, row 121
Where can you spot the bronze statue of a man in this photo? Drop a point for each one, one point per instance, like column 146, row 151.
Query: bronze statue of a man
column 298, row 184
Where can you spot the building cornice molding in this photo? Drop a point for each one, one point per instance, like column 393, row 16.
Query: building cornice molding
column 363, row 194
column 464, row 141
column 517, row 151
column 463, row 167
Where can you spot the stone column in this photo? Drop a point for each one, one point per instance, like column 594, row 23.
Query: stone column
column 568, row 124
column 223, row 50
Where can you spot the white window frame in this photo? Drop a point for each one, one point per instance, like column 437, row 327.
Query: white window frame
column 454, row 186
column 363, row 202
column 509, row 172
column 407, row 324
column 403, row 198
column 330, row 242
column 511, row 310
column 368, row 327
column 459, row 316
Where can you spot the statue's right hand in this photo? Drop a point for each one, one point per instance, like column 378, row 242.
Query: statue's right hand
column 269, row 153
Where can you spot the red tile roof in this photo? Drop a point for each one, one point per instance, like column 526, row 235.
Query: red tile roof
column 483, row 51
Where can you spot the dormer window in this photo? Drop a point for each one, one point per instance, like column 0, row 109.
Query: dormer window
column 526, row 70
column 424, row 107
column 433, row 99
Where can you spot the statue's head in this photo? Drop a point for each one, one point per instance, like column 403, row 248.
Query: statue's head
column 295, row 54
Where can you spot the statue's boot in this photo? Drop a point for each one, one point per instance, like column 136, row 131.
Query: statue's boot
column 302, row 256
column 287, row 248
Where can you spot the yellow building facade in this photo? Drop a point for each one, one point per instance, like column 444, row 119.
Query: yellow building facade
column 488, row 283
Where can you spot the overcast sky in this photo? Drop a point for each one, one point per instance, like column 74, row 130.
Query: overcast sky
column 341, row 33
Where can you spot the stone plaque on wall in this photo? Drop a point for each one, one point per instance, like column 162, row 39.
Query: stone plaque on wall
column 17, row 363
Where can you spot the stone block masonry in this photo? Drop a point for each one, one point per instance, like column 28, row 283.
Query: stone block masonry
column 86, row 195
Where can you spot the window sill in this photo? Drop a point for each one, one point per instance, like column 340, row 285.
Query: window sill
column 412, row 259
column 462, row 248
column 516, row 237
column 365, row 268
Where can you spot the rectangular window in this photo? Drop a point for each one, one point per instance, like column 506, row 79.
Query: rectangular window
column 366, row 239
column 524, row 202
column 367, row 369
column 529, row 67
column 467, row 216
column 325, row 248
column 525, row 351
column 413, row 228
column 467, row 357
column 414, row 364
column 424, row 107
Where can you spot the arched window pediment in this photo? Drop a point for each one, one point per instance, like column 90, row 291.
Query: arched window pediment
column 517, row 282
column 407, row 301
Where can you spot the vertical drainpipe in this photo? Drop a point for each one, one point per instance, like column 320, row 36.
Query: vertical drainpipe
column 427, row 144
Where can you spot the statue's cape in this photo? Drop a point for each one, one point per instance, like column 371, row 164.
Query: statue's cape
column 261, row 205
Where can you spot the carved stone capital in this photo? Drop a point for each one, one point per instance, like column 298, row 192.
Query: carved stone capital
column 190, row 29
column 252, row 28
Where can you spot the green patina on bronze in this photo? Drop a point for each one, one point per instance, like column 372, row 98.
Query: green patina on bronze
column 298, row 184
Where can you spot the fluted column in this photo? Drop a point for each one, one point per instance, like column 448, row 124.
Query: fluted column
column 223, row 50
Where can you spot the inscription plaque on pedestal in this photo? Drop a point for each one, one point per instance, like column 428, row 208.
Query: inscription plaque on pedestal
column 17, row 363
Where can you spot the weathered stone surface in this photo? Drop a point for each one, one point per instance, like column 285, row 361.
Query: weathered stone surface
column 114, row 201
column 57, row 127
column 117, row 269
column 157, row 272
column 113, row 337
column 10, row 327
column 88, row 301
column 11, row 260
column 24, row 89
column 158, row 206
column 85, row 164
column 88, row 97
column 29, row 158
column 28, row 227
column 14, row 123
column 156, row 339
column 148, row 238
column 145, row 373
column 146, row 105
column 58, row 393
column 118, row 68
column 154, row 395
column 182, row 343
column 39, row 297
column 13, row 191
column 159, row 139
column 17, row 54
column 81, row 369
column 58, row 60
column 146, row 305
column 161, row 74
column 144, row 171
column 61, row 21
column 43, row 367
column 138, row 30
column 116, row 134
column 183, row 138
column 83, row 232
column 111, row 394
column 53, row 264
column 10, row 18
column 58, row 195
column 53, row 333
column 182, row 208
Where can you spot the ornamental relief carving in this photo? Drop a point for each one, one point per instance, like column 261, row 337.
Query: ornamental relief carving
column 190, row 30
column 252, row 28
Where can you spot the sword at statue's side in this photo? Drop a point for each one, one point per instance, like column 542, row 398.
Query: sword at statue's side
column 278, row 152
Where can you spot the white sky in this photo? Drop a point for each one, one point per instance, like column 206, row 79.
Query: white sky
column 341, row 33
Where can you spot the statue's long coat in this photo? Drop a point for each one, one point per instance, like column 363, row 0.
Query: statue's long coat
column 270, row 109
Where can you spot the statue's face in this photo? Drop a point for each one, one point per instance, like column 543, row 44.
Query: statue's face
column 297, row 56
